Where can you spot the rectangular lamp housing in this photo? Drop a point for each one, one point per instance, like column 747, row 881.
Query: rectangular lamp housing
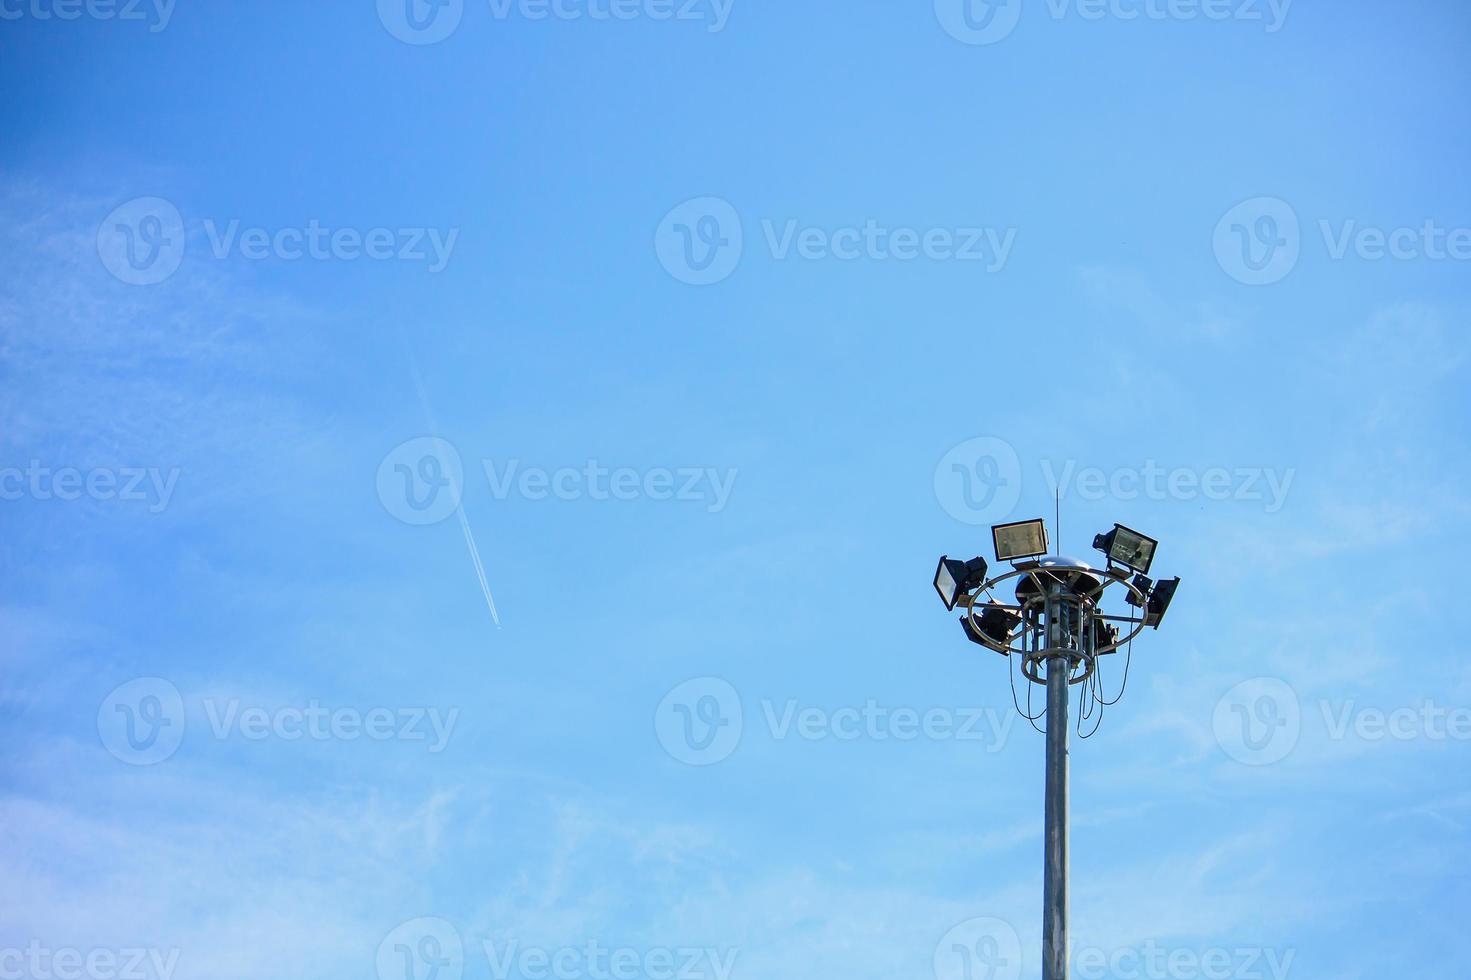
column 1022, row 539
column 1159, row 601
column 954, row 578
column 1128, row 547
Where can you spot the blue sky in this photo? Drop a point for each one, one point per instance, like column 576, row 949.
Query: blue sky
column 496, row 468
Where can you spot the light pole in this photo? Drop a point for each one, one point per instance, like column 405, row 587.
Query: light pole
column 1058, row 630
column 1055, row 804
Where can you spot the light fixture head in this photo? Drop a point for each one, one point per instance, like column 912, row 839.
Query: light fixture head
column 954, row 578
column 1020, row 539
column 1127, row 547
column 996, row 625
column 1159, row 601
column 1105, row 635
column 1143, row 583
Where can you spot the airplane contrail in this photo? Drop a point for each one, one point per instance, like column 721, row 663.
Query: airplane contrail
column 460, row 503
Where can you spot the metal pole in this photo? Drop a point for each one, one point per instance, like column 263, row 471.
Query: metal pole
column 1055, row 842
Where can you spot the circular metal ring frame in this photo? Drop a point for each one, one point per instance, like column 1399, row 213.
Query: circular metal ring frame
column 1032, row 659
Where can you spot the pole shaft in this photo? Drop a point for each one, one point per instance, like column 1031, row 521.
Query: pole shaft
column 1055, row 874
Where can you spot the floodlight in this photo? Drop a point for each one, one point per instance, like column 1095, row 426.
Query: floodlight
column 997, row 622
column 954, row 578
column 1105, row 635
column 1159, row 601
column 1143, row 583
column 1021, row 539
column 1127, row 547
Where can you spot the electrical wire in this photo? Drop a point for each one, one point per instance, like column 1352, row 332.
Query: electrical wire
column 1090, row 702
column 1128, row 659
column 1011, row 676
column 1098, row 699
